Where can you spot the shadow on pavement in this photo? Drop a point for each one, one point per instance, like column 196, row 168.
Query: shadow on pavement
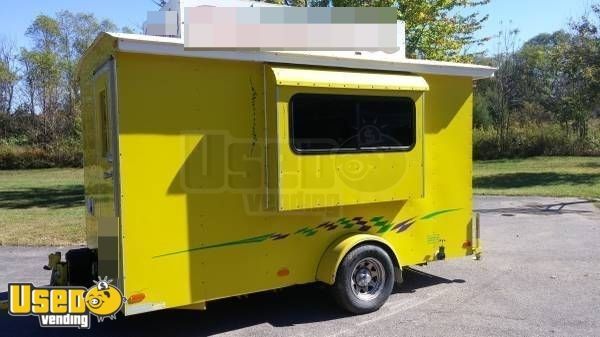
column 416, row 279
column 539, row 209
column 286, row 307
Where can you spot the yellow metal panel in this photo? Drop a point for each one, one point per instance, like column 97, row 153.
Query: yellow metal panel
column 192, row 142
column 448, row 158
column 346, row 79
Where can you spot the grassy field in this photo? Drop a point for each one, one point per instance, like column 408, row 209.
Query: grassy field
column 541, row 176
column 42, row 207
column 46, row 207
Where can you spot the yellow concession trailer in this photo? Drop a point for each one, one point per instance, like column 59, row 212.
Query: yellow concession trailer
column 211, row 174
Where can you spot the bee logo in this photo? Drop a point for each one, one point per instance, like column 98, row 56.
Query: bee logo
column 104, row 300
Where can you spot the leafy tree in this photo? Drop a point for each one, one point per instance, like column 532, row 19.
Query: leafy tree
column 552, row 79
column 9, row 76
column 505, row 95
column 435, row 29
column 77, row 31
column 577, row 87
column 44, row 31
column 42, row 73
column 49, row 67
column 29, row 80
column 539, row 71
column 47, row 84
column 43, row 65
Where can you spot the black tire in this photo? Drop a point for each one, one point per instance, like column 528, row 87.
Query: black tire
column 344, row 287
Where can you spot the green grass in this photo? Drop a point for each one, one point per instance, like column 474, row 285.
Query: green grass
column 539, row 176
column 42, row 207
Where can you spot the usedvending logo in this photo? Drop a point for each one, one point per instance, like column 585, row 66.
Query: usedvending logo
column 66, row 306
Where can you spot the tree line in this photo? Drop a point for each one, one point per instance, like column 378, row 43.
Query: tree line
column 40, row 122
column 39, row 90
column 542, row 100
column 545, row 96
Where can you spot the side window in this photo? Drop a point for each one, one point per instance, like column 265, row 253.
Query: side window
column 105, row 127
column 322, row 123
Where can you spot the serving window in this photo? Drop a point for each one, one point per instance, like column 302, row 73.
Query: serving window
column 342, row 137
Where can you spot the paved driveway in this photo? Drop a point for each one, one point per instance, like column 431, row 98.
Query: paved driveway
column 540, row 276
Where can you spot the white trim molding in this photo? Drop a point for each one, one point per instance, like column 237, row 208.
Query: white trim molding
column 144, row 44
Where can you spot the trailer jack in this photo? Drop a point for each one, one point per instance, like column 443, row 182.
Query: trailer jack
column 476, row 238
column 441, row 253
column 78, row 269
column 59, row 269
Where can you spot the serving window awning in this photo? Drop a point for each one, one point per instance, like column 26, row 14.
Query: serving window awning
column 288, row 76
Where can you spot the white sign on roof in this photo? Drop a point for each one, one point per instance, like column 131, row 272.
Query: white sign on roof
column 170, row 21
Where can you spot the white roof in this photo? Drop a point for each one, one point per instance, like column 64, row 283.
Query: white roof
column 145, row 44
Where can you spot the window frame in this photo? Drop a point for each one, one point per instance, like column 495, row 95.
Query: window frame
column 378, row 149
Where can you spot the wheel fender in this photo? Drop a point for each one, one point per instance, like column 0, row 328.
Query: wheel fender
column 334, row 254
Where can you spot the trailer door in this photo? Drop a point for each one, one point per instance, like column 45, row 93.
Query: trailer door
column 104, row 192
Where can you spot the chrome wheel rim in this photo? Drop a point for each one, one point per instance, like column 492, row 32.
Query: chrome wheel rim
column 368, row 277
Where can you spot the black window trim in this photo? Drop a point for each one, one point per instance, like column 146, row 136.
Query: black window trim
column 379, row 149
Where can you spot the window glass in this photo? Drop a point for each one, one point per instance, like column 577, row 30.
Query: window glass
column 345, row 123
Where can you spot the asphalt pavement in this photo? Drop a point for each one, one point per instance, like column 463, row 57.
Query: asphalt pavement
column 539, row 276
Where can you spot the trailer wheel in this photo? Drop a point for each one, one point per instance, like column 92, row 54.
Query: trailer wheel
column 364, row 279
